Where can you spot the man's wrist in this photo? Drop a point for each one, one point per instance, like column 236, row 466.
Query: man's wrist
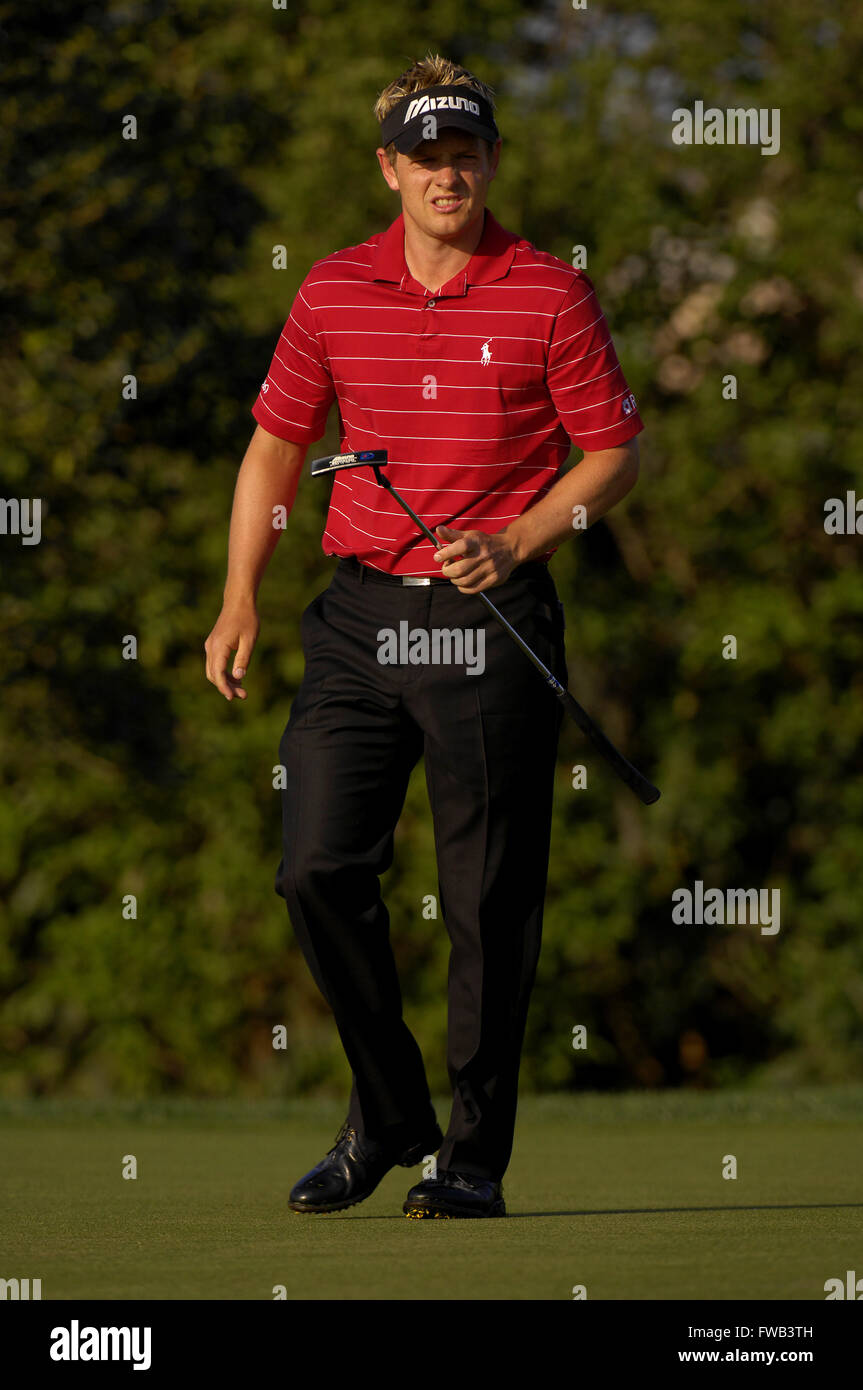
column 239, row 596
column 518, row 547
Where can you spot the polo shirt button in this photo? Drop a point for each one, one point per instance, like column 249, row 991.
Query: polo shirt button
column 431, row 303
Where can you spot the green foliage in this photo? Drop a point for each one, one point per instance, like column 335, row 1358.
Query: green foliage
column 154, row 257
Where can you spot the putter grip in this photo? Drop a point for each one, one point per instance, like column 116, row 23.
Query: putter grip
column 643, row 789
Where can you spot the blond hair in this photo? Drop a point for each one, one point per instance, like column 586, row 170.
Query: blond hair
column 430, row 71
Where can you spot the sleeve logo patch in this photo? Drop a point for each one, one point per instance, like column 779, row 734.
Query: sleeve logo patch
column 629, row 404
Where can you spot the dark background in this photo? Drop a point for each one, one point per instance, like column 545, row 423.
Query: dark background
column 154, row 257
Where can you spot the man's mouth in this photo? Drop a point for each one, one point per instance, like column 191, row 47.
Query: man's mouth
column 447, row 204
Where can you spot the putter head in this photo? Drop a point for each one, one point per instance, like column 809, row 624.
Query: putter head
column 331, row 463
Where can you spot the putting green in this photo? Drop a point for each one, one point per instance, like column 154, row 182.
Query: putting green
column 621, row 1194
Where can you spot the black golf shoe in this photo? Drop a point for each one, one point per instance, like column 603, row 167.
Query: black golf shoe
column 353, row 1168
column 455, row 1194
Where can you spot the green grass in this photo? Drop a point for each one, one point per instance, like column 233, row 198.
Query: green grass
column 623, row 1194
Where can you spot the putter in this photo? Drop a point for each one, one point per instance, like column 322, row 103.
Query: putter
column 376, row 459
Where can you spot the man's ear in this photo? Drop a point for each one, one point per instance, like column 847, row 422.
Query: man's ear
column 495, row 159
column 387, row 169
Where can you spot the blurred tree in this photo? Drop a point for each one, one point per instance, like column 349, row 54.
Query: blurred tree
column 152, row 258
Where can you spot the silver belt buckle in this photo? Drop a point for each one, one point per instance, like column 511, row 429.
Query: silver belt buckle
column 415, row 579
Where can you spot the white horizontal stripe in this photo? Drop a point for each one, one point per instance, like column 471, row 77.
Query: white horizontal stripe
column 406, row 333
column 314, row 361
column 572, row 273
column 289, row 371
column 480, row 492
column 284, row 333
column 544, row 265
column 442, row 385
column 496, row 439
column 559, row 342
column 370, row 534
column 459, row 438
column 493, row 286
column 606, row 429
column 574, row 386
column 504, row 516
column 573, row 361
column 512, row 284
column 512, row 464
column 579, row 410
column 420, row 305
column 447, row 361
column 388, row 410
column 284, row 418
column 288, row 397
column 343, row 260
column 577, row 305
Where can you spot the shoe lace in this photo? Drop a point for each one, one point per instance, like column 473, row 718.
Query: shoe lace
column 343, row 1135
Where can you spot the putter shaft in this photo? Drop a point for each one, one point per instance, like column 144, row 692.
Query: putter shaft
column 643, row 789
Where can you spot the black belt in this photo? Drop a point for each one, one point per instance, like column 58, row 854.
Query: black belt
column 367, row 574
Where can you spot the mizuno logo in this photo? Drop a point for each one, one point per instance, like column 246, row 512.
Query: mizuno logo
column 420, row 105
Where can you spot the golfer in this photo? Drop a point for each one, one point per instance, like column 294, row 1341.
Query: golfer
column 476, row 361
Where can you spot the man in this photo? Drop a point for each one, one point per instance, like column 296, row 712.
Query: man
column 476, row 361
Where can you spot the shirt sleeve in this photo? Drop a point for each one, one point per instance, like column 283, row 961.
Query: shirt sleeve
column 296, row 396
column 590, row 393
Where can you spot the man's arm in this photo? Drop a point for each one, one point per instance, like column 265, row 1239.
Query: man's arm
column 268, row 478
column 478, row 560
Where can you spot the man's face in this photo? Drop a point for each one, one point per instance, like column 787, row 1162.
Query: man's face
column 444, row 182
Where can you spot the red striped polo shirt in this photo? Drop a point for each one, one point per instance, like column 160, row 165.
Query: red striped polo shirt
column 477, row 391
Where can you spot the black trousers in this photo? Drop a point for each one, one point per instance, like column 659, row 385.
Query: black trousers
column 356, row 730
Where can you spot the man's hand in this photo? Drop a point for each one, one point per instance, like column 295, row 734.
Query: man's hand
column 236, row 630
column 475, row 560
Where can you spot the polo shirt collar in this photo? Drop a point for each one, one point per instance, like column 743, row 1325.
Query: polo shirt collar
column 490, row 261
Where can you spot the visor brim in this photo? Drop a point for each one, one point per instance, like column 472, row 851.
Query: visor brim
column 413, row 133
